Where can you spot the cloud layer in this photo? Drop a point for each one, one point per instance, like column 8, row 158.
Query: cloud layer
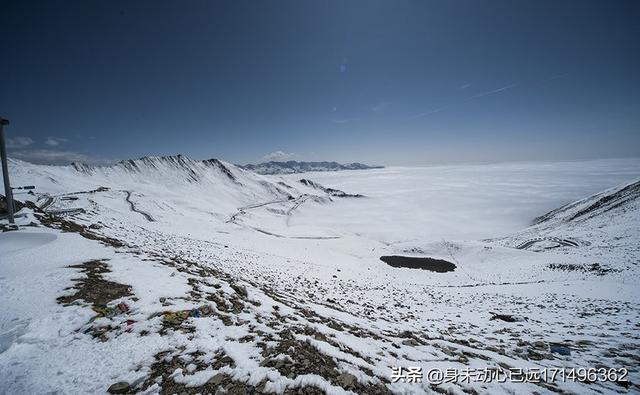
column 19, row 142
column 25, row 148
column 54, row 157
column 54, row 141
column 279, row 156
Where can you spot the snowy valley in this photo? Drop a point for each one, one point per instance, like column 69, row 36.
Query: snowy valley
column 173, row 275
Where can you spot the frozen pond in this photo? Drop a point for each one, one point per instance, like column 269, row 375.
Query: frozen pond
column 410, row 262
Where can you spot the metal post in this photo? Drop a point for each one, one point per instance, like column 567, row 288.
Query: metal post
column 5, row 172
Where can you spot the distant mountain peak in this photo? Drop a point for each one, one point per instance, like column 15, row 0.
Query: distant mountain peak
column 292, row 166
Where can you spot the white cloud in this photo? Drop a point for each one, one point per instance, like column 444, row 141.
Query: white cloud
column 19, row 142
column 381, row 106
column 504, row 88
column 54, row 141
column 279, row 156
column 477, row 96
column 52, row 157
column 424, row 114
column 342, row 120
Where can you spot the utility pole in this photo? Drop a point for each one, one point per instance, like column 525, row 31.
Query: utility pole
column 5, row 172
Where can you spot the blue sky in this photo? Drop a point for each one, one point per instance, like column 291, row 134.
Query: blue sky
column 389, row 82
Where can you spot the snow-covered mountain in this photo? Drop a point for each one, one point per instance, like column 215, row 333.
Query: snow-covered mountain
column 292, row 166
column 601, row 221
column 171, row 275
column 615, row 201
column 170, row 184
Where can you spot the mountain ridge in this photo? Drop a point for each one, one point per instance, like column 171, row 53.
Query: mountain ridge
column 219, row 186
column 292, row 166
column 179, row 160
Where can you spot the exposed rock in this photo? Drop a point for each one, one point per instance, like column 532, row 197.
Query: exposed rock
column 535, row 356
column 94, row 288
column 121, row 387
column 507, row 317
column 410, row 342
column 539, row 344
column 559, row 349
column 217, row 379
column 347, row 380
column 329, row 191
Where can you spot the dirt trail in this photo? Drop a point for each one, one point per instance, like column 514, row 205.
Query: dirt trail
column 242, row 210
column 294, row 237
column 296, row 203
column 132, row 206
column 560, row 242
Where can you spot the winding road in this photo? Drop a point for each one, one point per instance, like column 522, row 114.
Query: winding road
column 296, row 203
column 561, row 242
column 132, row 206
column 242, row 210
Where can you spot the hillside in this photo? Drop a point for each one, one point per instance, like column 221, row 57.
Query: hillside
column 606, row 220
column 170, row 275
column 164, row 185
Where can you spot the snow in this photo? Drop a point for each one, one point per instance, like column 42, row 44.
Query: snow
column 310, row 265
column 45, row 346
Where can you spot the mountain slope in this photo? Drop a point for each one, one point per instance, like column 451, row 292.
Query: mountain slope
column 617, row 200
column 168, row 275
column 160, row 187
column 213, row 184
column 608, row 220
